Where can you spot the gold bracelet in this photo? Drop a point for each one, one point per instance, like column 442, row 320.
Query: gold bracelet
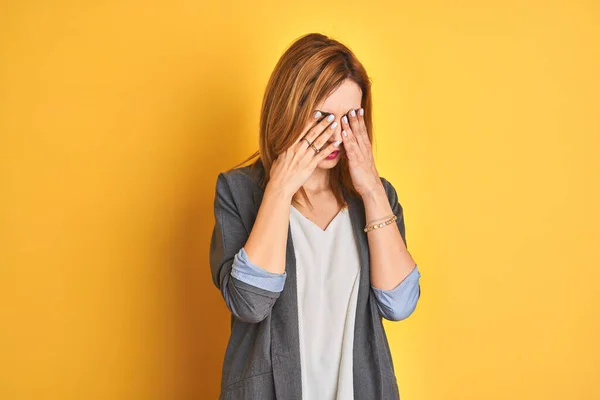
column 379, row 219
column 380, row 225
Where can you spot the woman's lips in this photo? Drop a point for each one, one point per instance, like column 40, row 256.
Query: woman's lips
column 333, row 155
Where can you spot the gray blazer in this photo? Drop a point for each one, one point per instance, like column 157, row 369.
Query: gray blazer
column 262, row 359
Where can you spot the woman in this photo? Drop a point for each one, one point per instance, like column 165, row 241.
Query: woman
column 308, row 248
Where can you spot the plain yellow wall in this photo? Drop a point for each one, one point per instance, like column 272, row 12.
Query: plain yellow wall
column 116, row 117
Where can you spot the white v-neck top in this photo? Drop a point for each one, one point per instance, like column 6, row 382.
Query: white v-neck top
column 327, row 269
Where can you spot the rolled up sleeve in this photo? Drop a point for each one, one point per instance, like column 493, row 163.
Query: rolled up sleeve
column 399, row 303
column 244, row 270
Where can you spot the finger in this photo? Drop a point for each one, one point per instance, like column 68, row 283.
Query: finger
column 321, row 127
column 320, row 141
column 364, row 134
column 346, row 123
column 325, row 152
column 355, row 126
column 308, row 126
column 302, row 145
column 325, row 135
column 353, row 151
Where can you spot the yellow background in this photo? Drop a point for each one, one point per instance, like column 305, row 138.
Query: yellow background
column 116, row 117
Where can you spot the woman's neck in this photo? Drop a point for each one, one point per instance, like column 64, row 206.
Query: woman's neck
column 318, row 181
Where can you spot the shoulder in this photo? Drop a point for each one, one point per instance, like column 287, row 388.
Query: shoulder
column 242, row 180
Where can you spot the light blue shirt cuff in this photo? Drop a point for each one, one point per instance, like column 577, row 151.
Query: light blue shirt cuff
column 398, row 303
column 243, row 270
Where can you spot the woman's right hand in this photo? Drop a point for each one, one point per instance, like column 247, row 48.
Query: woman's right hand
column 295, row 165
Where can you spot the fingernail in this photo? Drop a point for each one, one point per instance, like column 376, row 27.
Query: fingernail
column 317, row 114
column 334, row 125
column 336, row 143
column 330, row 118
column 361, row 112
column 345, row 119
column 344, row 133
column 353, row 113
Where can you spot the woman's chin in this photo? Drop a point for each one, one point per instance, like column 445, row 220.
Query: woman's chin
column 328, row 164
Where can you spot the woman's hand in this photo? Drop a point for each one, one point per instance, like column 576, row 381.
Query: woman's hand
column 360, row 153
column 294, row 166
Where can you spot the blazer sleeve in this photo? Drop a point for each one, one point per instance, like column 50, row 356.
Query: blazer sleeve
column 247, row 302
column 398, row 303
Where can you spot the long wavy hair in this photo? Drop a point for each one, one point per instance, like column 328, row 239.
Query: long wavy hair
column 307, row 73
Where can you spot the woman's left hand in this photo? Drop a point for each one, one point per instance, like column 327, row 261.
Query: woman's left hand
column 360, row 153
